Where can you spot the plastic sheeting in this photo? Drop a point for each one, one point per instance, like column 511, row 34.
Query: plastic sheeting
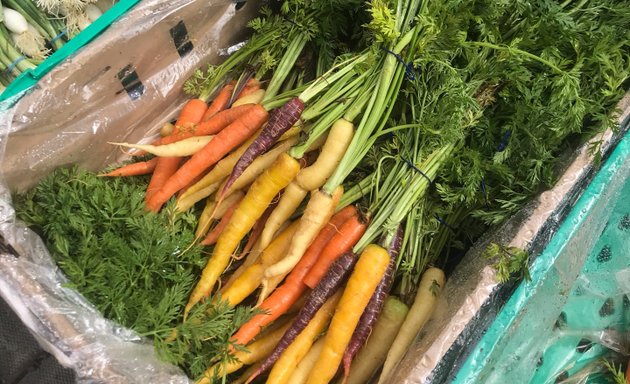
column 121, row 87
column 576, row 307
column 124, row 86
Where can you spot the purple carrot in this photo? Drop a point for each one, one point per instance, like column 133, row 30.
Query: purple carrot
column 374, row 307
column 327, row 287
column 280, row 120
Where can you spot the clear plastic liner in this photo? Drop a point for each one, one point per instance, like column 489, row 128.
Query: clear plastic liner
column 121, row 87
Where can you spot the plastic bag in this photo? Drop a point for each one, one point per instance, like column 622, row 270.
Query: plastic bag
column 121, row 87
column 574, row 310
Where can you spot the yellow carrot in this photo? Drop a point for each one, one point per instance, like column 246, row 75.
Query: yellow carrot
column 250, row 278
column 291, row 198
column 180, row 148
column 186, row 201
column 258, row 166
column 292, row 132
column 268, row 286
column 253, row 98
column 258, row 197
column 301, row 372
column 212, row 212
column 431, row 284
column 256, row 351
column 373, row 353
column 286, row 364
column 367, row 274
column 310, row 178
column 317, row 213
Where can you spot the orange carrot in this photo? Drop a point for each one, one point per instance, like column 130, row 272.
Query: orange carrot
column 285, row 295
column 314, row 251
column 220, row 102
column 210, row 127
column 226, row 140
column 191, row 114
column 347, row 236
column 213, row 235
column 134, row 169
column 164, row 169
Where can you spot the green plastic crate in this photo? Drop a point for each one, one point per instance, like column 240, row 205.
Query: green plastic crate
column 30, row 77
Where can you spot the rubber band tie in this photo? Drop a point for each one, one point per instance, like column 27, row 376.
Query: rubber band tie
column 411, row 165
column 59, row 36
column 14, row 64
column 409, row 71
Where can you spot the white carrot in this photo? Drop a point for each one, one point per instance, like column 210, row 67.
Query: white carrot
column 429, row 288
column 186, row 147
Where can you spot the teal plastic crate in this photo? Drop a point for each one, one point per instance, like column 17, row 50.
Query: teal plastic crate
column 551, row 328
column 30, row 77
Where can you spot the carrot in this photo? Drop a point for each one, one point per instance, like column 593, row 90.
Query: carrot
column 133, row 169
column 164, row 169
column 337, row 242
column 257, row 228
column 280, row 120
column 211, row 181
column 231, row 136
column 287, row 294
column 373, row 353
column 186, row 199
column 191, row 114
column 183, row 190
column 251, row 277
column 431, row 284
column 284, row 363
column 316, row 248
column 243, row 377
column 167, row 129
column 138, row 153
column 374, row 306
column 300, row 374
column 316, row 298
column 346, row 237
column 366, row 275
column 260, row 194
column 317, row 213
column 213, row 235
column 313, row 176
column 255, row 352
column 180, row 148
column 219, row 103
column 221, row 170
column 211, row 127
column 212, row 212
column 258, row 166
column 250, row 95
